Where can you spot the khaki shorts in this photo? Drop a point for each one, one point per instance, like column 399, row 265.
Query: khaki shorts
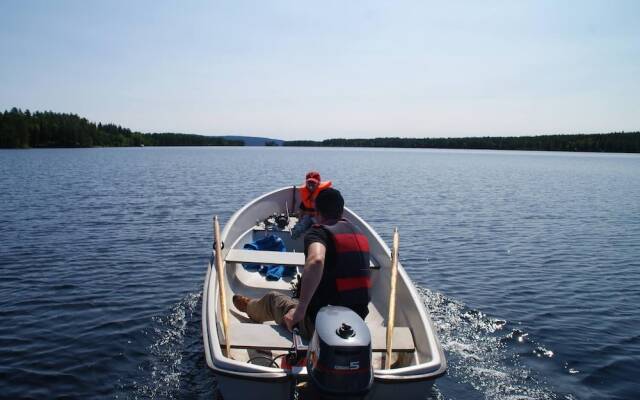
column 273, row 306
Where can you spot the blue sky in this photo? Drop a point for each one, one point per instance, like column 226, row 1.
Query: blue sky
column 303, row 70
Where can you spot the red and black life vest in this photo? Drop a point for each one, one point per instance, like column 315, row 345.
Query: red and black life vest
column 347, row 281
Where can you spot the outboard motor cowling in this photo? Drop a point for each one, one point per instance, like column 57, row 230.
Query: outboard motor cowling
column 339, row 355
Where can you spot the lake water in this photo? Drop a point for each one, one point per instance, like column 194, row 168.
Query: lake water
column 528, row 261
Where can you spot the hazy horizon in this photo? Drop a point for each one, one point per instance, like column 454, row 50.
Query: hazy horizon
column 289, row 71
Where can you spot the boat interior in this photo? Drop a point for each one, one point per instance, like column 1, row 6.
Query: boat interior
column 265, row 343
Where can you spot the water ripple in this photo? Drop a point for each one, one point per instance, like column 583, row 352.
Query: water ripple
column 531, row 260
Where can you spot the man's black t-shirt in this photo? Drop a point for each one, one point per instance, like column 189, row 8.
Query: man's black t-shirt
column 327, row 283
column 320, row 235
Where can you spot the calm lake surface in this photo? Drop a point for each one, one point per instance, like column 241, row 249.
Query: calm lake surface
column 529, row 263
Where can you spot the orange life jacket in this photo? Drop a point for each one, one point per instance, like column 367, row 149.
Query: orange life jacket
column 308, row 199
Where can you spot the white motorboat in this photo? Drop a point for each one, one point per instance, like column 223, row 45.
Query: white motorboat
column 251, row 370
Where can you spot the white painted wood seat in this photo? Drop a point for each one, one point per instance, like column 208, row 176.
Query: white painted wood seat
column 264, row 257
column 269, row 257
column 276, row 337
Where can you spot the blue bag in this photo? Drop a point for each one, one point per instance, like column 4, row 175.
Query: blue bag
column 271, row 272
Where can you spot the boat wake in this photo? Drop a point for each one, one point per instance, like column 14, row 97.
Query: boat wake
column 174, row 353
column 480, row 352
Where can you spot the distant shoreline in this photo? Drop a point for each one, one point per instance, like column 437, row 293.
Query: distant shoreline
column 323, row 147
column 23, row 129
column 615, row 142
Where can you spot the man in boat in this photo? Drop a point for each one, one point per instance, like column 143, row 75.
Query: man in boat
column 336, row 272
column 313, row 185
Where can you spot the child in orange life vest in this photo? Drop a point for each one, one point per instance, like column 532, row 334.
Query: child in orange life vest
column 308, row 193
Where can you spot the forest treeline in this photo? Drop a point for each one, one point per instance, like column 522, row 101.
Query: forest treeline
column 23, row 129
column 616, row 142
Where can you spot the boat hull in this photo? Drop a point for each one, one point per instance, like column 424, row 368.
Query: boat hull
column 244, row 388
column 258, row 389
column 238, row 379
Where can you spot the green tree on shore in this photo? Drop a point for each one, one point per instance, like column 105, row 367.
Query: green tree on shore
column 23, row 129
column 616, row 142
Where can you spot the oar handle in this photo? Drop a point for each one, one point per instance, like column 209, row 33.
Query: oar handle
column 221, row 285
column 392, row 297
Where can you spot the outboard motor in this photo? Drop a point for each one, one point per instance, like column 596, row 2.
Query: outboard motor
column 339, row 355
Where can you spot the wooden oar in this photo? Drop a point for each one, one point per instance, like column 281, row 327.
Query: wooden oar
column 392, row 297
column 223, row 294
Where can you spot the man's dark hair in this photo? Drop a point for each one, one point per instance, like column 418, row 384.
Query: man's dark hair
column 330, row 203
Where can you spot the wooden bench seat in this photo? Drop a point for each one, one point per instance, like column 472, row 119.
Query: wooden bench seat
column 264, row 257
column 268, row 257
column 276, row 337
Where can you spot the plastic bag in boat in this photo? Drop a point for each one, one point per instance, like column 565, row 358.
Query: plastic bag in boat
column 271, row 272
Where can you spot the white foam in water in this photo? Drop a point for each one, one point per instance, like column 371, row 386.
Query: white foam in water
column 476, row 353
column 475, row 346
column 167, row 350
